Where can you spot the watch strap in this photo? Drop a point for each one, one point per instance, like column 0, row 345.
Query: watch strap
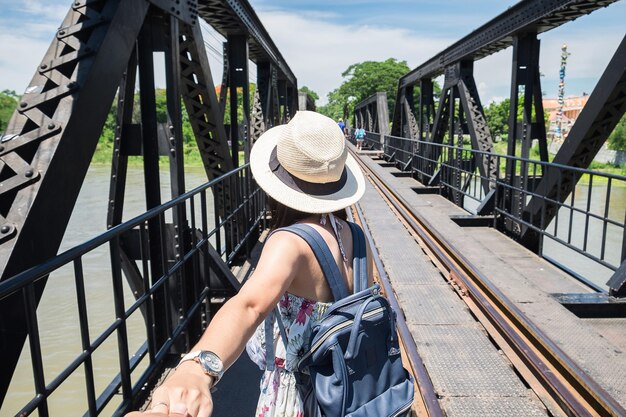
column 193, row 356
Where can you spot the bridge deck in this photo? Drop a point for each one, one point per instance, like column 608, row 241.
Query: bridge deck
column 471, row 375
column 466, row 368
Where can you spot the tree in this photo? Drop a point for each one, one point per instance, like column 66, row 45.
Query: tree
column 361, row 81
column 8, row 103
column 617, row 139
column 312, row 94
column 497, row 116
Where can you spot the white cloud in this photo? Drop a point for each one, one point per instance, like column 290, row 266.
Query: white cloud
column 19, row 58
column 318, row 51
column 51, row 11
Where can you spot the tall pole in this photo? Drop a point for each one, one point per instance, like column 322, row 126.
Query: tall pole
column 561, row 100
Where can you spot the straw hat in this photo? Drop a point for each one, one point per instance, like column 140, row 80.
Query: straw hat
column 305, row 165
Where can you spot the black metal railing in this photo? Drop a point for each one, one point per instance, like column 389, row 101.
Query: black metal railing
column 588, row 223
column 133, row 350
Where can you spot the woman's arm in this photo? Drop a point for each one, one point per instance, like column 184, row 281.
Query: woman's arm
column 233, row 325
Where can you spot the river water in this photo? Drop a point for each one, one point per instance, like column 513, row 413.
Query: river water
column 57, row 312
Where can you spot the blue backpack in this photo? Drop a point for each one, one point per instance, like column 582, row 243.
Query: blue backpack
column 353, row 367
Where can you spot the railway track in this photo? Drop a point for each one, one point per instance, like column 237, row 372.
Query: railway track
column 560, row 383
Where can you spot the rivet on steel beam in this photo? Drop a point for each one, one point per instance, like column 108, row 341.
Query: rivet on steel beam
column 5, row 229
column 29, row 173
column 1, row 148
column 71, row 84
column 61, row 32
column 172, row 150
column 76, row 3
column 51, row 126
column 23, row 104
column 43, row 66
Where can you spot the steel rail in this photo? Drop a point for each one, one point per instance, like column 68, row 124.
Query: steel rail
column 572, row 389
column 426, row 389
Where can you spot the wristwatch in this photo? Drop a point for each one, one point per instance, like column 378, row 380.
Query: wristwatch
column 211, row 363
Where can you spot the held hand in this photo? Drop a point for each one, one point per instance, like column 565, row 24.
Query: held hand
column 184, row 393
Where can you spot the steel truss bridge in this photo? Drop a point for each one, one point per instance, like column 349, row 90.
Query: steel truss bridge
column 523, row 195
column 175, row 257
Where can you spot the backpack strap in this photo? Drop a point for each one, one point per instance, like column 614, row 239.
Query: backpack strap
column 270, row 354
column 331, row 273
column 324, row 257
column 359, row 258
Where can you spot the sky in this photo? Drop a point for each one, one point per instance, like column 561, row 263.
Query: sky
column 319, row 39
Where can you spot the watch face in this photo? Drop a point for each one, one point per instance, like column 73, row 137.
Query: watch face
column 210, row 361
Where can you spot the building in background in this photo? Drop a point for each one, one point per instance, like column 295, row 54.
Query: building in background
column 572, row 106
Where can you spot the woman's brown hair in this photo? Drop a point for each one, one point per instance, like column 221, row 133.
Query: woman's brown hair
column 285, row 216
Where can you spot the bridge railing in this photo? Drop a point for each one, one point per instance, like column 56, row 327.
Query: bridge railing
column 150, row 324
column 589, row 224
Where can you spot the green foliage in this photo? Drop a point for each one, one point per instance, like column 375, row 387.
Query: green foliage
column 8, row 103
column 361, row 81
column 617, row 139
column 497, row 116
column 312, row 94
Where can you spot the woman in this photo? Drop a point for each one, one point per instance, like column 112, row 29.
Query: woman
column 306, row 170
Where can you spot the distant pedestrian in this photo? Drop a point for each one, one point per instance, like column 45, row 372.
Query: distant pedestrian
column 341, row 125
column 359, row 134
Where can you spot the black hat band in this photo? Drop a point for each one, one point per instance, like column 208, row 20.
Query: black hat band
column 311, row 188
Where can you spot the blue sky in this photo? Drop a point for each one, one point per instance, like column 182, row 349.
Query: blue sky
column 321, row 38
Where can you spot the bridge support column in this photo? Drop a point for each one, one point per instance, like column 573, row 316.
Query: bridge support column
column 525, row 74
column 604, row 109
column 465, row 117
column 238, row 79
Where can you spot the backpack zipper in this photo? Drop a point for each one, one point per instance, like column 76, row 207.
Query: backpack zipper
column 403, row 409
column 335, row 329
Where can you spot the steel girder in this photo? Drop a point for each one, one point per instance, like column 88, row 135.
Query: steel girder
column 238, row 79
column 404, row 122
column 459, row 83
column 604, row 109
column 535, row 16
column 426, row 109
column 374, row 113
column 524, row 73
column 477, row 125
column 411, row 123
column 50, row 140
column 238, row 17
column 201, row 102
column 257, row 124
column 305, row 102
column 267, row 85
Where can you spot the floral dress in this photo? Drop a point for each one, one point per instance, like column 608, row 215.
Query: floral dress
column 279, row 395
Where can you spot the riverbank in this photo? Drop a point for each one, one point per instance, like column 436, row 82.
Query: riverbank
column 192, row 159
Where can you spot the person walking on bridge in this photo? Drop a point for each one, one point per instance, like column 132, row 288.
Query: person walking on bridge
column 310, row 179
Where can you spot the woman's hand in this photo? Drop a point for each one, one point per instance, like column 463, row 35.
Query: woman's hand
column 184, row 393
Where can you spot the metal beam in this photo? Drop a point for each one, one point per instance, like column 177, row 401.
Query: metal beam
column 603, row 111
column 526, row 16
column 59, row 119
column 202, row 105
column 238, row 17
